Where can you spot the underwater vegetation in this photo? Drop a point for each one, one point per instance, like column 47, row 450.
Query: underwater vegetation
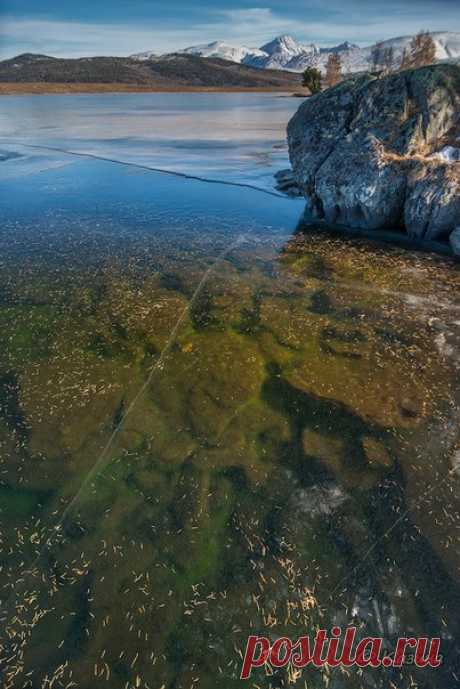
column 202, row 439
column 212, row 427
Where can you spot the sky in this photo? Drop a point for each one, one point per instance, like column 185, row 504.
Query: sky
column 122, row 27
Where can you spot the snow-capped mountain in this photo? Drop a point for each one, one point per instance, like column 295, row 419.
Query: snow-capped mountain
column 286, row 53
column 287, row 47
column 224, row 51
column 279, row 53
column 273, row 55
column 356, row 59
column 346, row 45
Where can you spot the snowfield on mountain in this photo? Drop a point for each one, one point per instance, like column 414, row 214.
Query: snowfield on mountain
column 286, row 53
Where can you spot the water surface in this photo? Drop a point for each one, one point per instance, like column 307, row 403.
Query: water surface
column 237, row 136
column 211, row 424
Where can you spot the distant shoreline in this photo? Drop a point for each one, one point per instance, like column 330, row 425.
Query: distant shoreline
column 42, row 88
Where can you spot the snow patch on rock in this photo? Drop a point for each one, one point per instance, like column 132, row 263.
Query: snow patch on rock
column 448, row 154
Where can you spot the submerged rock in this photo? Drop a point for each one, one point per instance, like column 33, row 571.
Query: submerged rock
column 320, row 500
column 363, row 153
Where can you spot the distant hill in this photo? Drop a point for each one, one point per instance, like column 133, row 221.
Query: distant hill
column 170, row 71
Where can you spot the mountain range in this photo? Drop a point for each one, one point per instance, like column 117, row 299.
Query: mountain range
column 276, row 65
column 288, row 54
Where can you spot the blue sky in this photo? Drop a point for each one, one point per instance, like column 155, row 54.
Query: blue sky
column 121, row 27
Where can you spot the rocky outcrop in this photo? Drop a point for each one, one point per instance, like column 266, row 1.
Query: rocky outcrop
column 370, row 153
column 286, row 183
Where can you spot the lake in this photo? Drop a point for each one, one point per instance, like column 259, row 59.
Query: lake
column 236, row 136
column 213, row 422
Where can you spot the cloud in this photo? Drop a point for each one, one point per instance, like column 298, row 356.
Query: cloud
column 357, row 22
column 72, row 39
column 256, row 14
column 256, row 25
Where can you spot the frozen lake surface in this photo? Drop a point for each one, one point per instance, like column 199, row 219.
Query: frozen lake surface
column 234, row 137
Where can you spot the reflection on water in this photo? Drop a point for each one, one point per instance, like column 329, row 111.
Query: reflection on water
column 212, row 426
column 239, row 137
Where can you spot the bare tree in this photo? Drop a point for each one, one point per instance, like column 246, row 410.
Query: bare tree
column 421, row 52
column 333, row 70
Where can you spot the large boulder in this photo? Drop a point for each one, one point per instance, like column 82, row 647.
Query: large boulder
column 370, row 152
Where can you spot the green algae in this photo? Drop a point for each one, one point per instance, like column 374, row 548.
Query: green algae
column 16, row 503
column 250, row 470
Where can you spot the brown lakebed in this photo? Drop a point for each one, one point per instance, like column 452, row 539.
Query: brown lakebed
column 211, row 426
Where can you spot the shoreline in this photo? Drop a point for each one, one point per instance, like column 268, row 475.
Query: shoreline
column 389, row 237
column 38, row 88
